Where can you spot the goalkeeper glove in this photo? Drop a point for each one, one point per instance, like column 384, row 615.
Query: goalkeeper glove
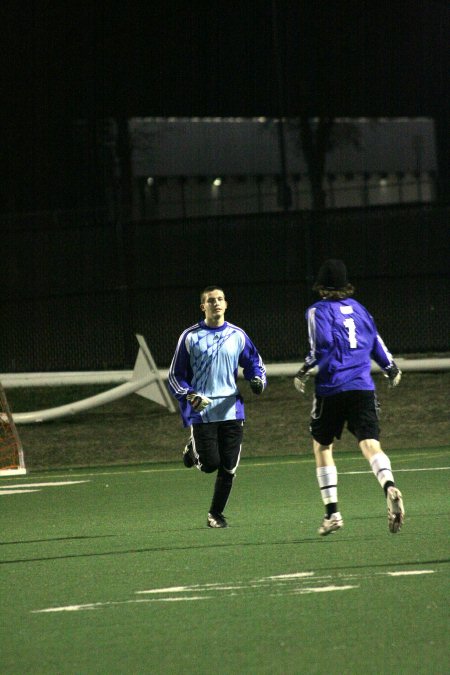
column 257, row 385
column 198, row 401
column 301, row 379
column 394, row 374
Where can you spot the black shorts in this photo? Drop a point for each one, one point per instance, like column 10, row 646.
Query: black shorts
column 218, row 444
column 359, row 409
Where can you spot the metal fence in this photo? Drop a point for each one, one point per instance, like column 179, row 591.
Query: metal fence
column 75, row 290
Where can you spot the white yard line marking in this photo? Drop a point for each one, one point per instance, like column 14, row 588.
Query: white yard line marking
column 296, row 575
column 322, row 589
column 303, row 458
column 431, row 468
column 189, row 589
column 408, row 573
column 295, row 583
column 15, row 492
column 50, row 484
column 178, row 599
column 100, row 605
column 172, row 589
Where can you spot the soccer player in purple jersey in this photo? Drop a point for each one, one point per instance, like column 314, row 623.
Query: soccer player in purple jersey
column 343, row 340
column 203, row 378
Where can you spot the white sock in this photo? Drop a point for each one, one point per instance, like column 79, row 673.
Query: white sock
column 327, row 479
column 381, row 467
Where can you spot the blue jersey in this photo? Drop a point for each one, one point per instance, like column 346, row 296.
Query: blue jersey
column 343, row 340
column 206, row 361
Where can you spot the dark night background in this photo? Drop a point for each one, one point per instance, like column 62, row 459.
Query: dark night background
column 76, row 286
column 64, row 61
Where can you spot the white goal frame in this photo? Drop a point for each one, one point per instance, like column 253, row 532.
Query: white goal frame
column 145, row 381
column 7, row 419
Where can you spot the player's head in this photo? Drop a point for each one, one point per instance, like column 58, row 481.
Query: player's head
column 210, row 289
column 213, row 304
column 332, row 280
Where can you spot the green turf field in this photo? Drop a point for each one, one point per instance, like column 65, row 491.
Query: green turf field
column 113, row 571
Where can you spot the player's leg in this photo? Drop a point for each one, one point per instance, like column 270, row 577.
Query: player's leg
column 327, row 479
column 381, row 467
column 364, row 424
column 326, row 424
column 203, row 447
column 230, row 434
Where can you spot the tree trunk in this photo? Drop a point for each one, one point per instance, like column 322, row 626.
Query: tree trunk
column 315, row 138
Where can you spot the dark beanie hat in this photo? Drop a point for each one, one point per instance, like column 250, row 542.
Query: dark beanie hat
column 332, row 275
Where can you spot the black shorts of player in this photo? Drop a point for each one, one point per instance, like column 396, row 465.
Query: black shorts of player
column 359, row 409
column 218, row 444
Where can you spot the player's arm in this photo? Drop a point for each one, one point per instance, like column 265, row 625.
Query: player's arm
column 394, row 374
column 304, row 373
column 301, row 378
column 180, row 376
column 253, row 367
column 180, row 372
column 382, row 356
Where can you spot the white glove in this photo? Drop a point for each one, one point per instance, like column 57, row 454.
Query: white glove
column 301, row 379
column 198, row 401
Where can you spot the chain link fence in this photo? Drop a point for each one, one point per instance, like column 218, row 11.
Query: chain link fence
column 76, row 290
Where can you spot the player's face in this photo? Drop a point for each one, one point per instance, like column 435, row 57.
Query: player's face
column 214, row 306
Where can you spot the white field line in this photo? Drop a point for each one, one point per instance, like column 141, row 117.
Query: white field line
column 21, row 488
column 100, row 605
column 242, row 466
column 278, row 585
column 322, row 589
column 256, row 583
column 38, row 485
column 406, row 573
column 188, row 589
column 397, row 470
column 15, row 492
column 296, row 575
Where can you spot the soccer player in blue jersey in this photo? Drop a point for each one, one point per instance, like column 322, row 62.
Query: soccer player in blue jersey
column 343, row 340
column 203, row 378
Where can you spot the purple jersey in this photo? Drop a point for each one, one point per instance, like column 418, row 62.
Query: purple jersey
column 343, row 340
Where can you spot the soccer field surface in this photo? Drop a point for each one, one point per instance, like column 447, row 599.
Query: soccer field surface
column 114, row 571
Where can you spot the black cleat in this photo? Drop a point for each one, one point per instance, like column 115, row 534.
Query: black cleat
column 216, row 520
